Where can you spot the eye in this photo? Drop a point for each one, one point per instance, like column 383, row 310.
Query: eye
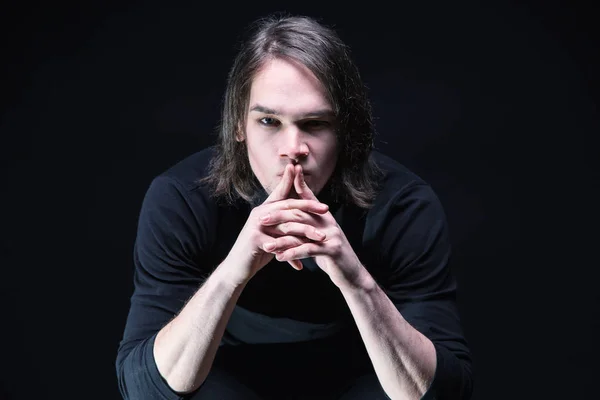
column 269, row 121
column 314, row 124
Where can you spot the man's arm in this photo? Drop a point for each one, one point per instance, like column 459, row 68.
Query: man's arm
column 403, row 358
column 411, row 330
column 165, row 356
column 177, row 316
column 185, row 348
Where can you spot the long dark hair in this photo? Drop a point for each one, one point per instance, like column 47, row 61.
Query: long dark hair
column 320, row 49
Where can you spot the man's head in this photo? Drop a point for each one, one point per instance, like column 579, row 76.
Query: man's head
column 289, row 70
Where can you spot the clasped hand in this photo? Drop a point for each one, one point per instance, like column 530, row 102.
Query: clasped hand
column 291, row 229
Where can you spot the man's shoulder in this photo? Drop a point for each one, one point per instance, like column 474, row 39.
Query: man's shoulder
column 396, row 176
column 403, row 190
column 188, row 171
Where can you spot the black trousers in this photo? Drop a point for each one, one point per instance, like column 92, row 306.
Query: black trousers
column 324, row 369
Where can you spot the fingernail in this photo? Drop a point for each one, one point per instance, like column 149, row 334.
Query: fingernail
column 319, row 233
column 269, row 246
column 264, row 218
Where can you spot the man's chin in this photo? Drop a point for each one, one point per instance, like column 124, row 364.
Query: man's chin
column 293, row 194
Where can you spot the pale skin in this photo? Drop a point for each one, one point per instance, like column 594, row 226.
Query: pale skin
column 288, row 124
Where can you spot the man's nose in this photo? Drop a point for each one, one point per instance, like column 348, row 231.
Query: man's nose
column 294, row 146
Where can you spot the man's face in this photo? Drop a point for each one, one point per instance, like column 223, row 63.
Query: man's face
column 289, row 119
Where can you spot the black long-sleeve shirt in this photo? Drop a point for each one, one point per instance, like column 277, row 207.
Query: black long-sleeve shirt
column 183, row 235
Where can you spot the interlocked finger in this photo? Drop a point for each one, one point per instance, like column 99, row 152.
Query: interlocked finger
column 295, row 229
column 293, row 215
column 283, row 243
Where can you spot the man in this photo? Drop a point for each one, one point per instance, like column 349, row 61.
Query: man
column 291, row 260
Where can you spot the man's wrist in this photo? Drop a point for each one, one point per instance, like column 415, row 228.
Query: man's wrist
column 362, row 281
column 228, row 274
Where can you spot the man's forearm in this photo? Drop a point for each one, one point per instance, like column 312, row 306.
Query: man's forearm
column 404, row 359
column 185, row 348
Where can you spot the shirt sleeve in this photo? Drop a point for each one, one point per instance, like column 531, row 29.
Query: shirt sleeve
column 416, row 248
column 167, row 248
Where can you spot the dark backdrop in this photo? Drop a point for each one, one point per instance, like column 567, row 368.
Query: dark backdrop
column 493, row 104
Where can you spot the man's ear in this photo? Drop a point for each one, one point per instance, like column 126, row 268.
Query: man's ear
column 239, row 133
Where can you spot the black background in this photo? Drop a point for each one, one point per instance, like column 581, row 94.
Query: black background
column 493, row 104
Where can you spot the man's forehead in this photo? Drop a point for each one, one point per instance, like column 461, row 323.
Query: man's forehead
column 287, row 88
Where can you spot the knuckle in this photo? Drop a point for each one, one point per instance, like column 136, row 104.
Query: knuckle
column 335, row 244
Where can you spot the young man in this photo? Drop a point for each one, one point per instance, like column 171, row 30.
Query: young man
column 292, row 260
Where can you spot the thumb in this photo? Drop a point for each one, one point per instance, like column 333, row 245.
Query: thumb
column 300, row 185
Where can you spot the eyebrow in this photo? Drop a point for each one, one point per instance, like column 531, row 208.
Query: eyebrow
column 326, row 112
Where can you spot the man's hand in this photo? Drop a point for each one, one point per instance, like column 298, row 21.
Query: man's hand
column 330, row 247
column 250, row 251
